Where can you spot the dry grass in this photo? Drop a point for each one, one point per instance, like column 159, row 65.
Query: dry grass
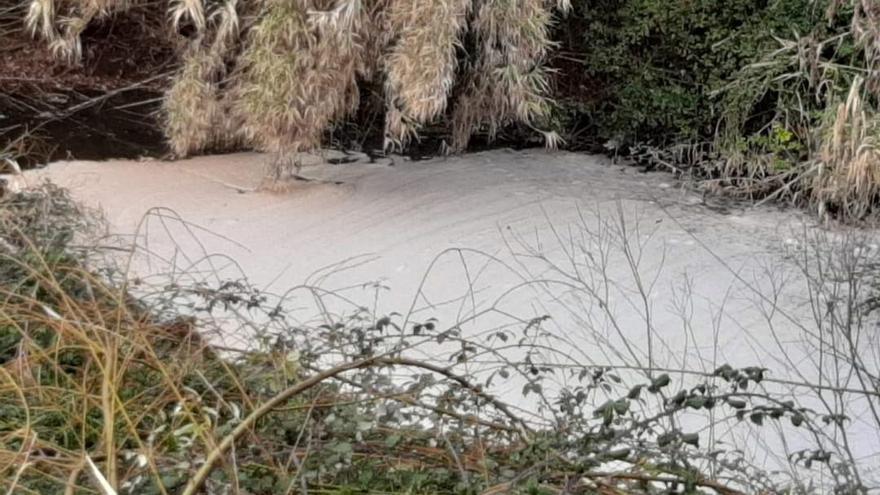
column 848, row 174
column 87, row 373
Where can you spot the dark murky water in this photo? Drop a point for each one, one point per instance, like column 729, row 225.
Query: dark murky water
column 74, row 125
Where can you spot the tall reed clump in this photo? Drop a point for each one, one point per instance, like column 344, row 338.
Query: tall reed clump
column 195, row 111
column 297, row 74
column 416, row 91
column 506, row 81
column 192, row 110
column 278, row 75
column 301, row 62
column 847, row 175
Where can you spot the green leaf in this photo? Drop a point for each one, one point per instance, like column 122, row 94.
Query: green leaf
column 604, row 407
column 635, row 392
column 607, row 416
column 757, row 418
column 679, row 398
column 696, row 402
column 723, row 369
column 665, row 439
column 659, row 382
column 341, row 448
column 392, row 440
column 691, row 439
column 619, row 454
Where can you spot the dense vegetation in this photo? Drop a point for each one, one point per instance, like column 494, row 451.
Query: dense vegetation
column 657, row 67
column 756, row 97
column 762, row 97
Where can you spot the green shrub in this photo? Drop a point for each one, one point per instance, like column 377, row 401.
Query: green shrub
column 655, row 66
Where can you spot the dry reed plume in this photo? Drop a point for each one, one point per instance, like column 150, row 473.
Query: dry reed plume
column 417, row 92
column 62, row 23
column 848, row 173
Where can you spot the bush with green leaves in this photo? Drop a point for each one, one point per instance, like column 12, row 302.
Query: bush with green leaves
column 765, row 99
column 655, row 66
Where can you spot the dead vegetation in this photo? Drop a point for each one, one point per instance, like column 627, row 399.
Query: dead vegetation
column 847, row 172
column 300, row 63
column 278, row 75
